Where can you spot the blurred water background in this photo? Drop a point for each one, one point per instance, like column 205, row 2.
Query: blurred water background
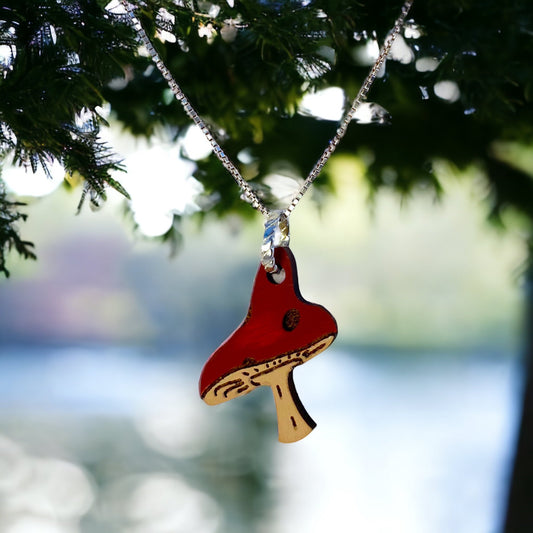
column 103, row 339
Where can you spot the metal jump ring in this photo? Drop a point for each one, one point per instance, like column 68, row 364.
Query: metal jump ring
column 276, row 235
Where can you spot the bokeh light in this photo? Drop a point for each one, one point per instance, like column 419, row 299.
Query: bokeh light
column 22, row 181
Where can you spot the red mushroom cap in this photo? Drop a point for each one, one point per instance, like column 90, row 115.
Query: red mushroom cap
column 280, row 329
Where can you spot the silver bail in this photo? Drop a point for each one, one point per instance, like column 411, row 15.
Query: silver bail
column 276, row 235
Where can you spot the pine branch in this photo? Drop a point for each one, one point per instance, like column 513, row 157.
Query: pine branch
column 9, row 235
column 62, row 54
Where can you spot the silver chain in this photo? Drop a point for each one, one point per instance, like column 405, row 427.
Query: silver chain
column 358, row 100
column 247, row 191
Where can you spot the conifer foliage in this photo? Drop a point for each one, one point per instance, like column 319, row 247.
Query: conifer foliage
column 57, row 57
column 245, row 65
column 9, row 215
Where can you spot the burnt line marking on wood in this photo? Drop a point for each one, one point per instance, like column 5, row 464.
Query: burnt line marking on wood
column 227, row 391
column 238, row 383
column 293, row 422
column 294, row 362
column 278, row 388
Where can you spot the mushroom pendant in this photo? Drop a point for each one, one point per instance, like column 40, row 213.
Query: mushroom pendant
column 280, row 332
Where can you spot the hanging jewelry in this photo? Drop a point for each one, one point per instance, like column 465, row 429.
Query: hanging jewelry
column 281, row 329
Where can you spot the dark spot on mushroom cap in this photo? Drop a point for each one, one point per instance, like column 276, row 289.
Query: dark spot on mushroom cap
column 291, row 319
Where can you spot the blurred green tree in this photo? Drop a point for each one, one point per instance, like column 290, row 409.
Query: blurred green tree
column 462, row 90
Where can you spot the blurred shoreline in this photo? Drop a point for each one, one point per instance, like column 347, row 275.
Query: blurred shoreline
column 430, row 435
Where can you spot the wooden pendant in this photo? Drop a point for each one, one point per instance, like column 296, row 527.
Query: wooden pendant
column 281, row 331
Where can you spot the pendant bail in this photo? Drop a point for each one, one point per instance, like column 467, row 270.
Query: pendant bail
column 276, row 235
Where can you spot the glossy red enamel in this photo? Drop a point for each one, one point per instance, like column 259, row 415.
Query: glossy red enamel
column 279, row 322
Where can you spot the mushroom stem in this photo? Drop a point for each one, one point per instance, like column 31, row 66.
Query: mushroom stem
column 294, row 423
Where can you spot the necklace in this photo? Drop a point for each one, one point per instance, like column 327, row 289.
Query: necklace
column 281, row 330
